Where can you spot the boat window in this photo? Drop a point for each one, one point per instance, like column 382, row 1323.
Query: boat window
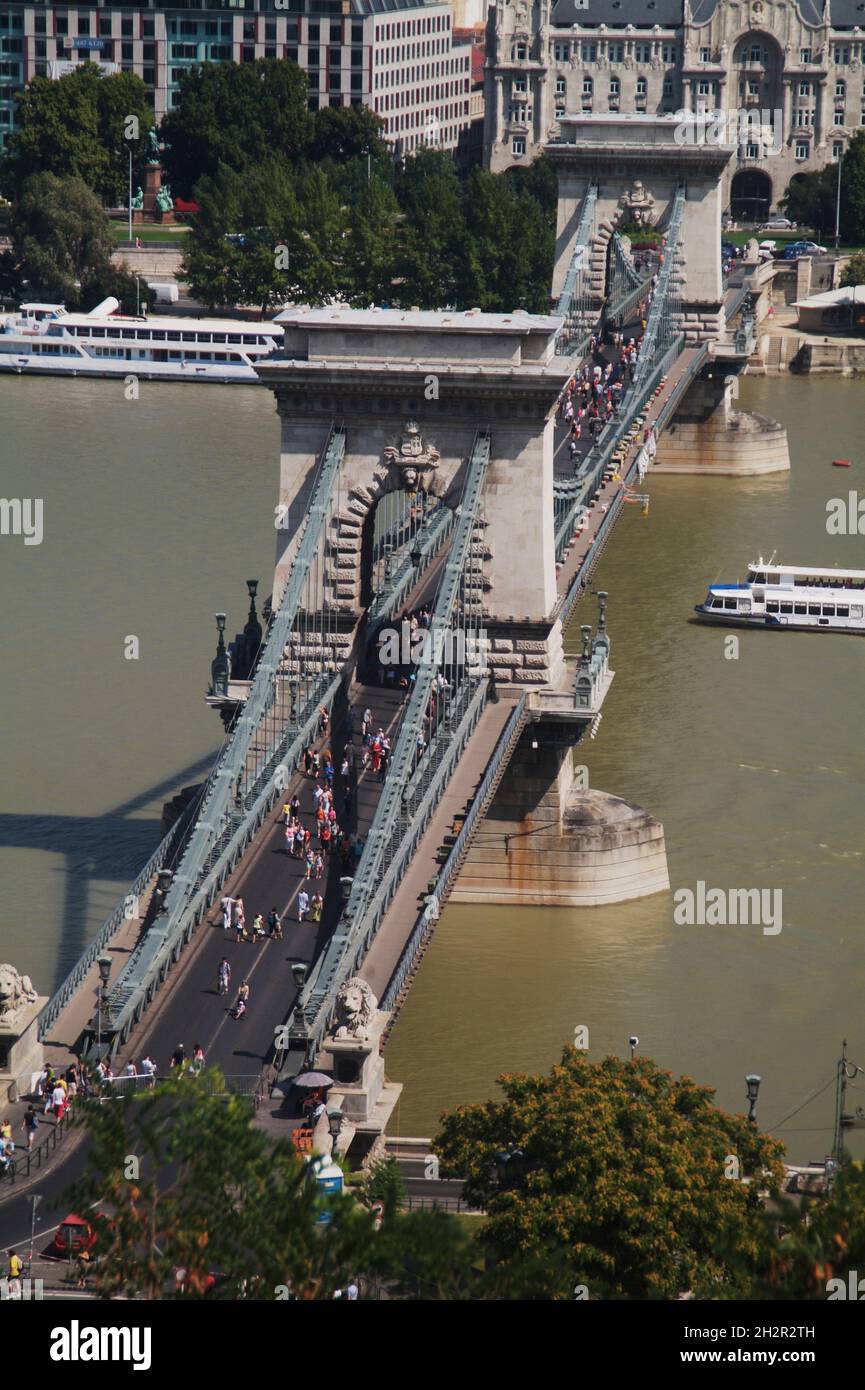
column 842, row 612
column 771, row 608
column 828, row 610
column 173, row 337
column 801, row 608
column 759, row 579
column 786, row 608
column 813, row 610
column 856, row 612
column 174, row 356
column 219, row 337
column 204, row 337
column 716, row 603
column 730, row 603
column 824, row 622
column 773, row 579
column 111, row 332
column 235, row 338
column 98, row 332
column 158, row 336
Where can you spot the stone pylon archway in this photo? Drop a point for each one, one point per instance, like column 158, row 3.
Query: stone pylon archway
column 637, row 164
column 412, row 390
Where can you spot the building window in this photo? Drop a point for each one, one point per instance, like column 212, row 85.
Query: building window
column 126, row 28
column 668, row 86
column 518, row 145
column 62, row 24
column 270, row 31
column 520, row 85
column 838, row 149
column 755, row 53
column 668, row 52
column 518, row 52
column 753, row 89
column 616, row 52
column 840, row 91
column 560, row 112
column 704, row 89
column 247, row 54
column 149, row 76
column 588, row 85
column 804, row 55
column 560, row 86
column 705, row 55
column 842, row 54
column 804, row 89
column 126, row 52
column 589, row 52
column 313, row 58
column 84, row 24
column 561, row 52
column 614, row 89
column 802, row 149
column 838, row 118
column 642, row 53
column 642, row 87
column 752, row 151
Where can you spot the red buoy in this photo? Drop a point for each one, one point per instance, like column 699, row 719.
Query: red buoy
column 841, row 463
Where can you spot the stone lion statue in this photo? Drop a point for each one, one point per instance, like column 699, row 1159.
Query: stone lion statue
column 355, row 1007
column 16, row 990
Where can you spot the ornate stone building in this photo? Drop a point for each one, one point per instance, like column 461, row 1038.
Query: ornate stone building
column 799, row 62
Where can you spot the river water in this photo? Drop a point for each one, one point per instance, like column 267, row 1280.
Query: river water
column 157, row 510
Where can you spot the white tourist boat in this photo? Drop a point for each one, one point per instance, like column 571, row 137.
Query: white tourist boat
column 789, row 596
column 45, row 339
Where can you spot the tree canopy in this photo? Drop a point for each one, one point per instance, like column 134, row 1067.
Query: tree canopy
column 627, row 1181
column 811, row 199
column 77, row 126
column 62, row 246
column 238, row 115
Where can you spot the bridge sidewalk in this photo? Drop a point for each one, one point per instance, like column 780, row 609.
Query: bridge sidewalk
column 388, row 946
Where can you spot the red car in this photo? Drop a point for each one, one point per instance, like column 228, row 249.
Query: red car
column 73, row 1235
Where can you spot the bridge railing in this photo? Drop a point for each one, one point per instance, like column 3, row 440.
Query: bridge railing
column 413, row 785
column 574, row 303
column 444, row 882
column 164, row 856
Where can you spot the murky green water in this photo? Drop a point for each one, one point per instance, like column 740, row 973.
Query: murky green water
column 156, row 512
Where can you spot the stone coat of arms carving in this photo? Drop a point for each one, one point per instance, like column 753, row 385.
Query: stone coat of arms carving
column 413, row 455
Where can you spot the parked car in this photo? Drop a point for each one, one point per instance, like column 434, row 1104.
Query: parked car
column 73, row 1236
column 802, row 248
column 777, row 224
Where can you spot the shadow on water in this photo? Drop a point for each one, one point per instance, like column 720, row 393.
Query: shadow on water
column 111, row 848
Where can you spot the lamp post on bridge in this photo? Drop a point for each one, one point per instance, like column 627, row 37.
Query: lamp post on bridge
column 104, row 963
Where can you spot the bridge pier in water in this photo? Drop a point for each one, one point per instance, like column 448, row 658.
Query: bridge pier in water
column 707, row 434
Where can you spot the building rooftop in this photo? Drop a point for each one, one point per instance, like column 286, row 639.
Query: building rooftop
column 430, row 320
column 850, row 294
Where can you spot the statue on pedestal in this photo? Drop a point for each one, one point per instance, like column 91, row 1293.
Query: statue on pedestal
column 152, row 146
column 355, row 1009
column 138, row 200
column 164, row 200
column 16, row 992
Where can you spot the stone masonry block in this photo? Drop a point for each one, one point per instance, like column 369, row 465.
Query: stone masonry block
column 531, row 677
column 524, row 646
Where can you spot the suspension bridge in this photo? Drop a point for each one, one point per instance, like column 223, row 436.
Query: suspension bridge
column 420, row 469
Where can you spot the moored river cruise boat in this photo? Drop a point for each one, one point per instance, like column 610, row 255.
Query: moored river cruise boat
column 46, row 340
column 789, row 596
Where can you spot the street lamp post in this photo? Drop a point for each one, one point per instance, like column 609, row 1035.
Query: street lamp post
column 838, row 204
column 104, row 963
column 130, row 195
column 633, row 1044
column 753, row 1084
column 334, row 1123
column 34, row 1202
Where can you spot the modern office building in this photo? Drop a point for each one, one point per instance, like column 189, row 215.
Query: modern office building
column 798, row 61
column 396, row 56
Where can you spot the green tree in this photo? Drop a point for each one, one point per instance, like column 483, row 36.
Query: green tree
column 62, row 245
column 265, row 237
column 810, row 200
column 854, row 271
column 205, row 1192
column 511, row 245
column 76, row 127
column 624, row 1184
column 433, row 256
column 371, row 246
column 853, row 192
column 236, row 114
column 344, row 133
column 385, row 1184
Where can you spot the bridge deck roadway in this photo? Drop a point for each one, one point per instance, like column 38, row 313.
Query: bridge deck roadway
column 189, row 1009
column 584, row 552
column 386, row 950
